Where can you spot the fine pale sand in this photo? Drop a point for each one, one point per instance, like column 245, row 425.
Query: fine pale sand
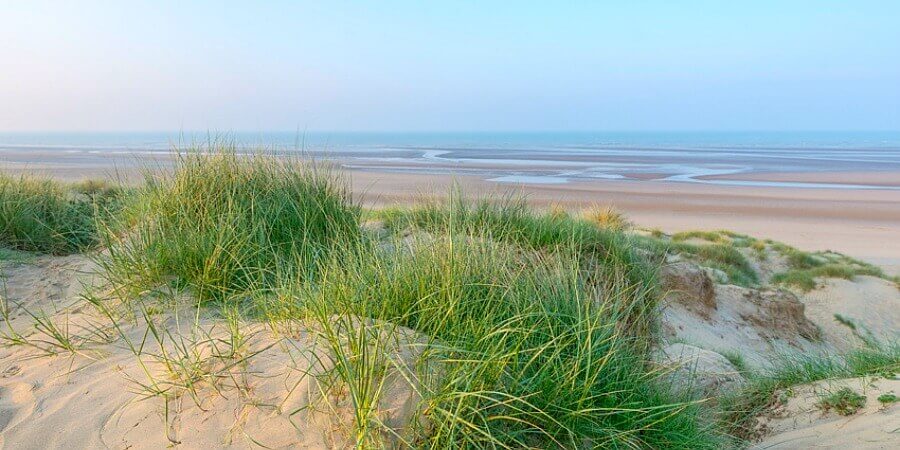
column 801, row 423
column 266, row 391
column 871, row 304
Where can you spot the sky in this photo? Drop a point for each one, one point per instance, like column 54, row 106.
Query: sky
column 449, row 66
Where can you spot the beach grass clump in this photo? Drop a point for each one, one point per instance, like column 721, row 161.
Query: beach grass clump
column 736, row 359
column 14, row 256
column 510, row 220
column 721, row 255
column 804, row 268
column 845, row 321
column 805, row 278
column 606, row 217
column 224, row 224
column 844, row 401
column 539, row 325
column 47, row 216
column 887, row 399
column 711, row 236
column 760, row 248
column 718, row 237
column 533, row 347
column 722, row 250
column 558, row 212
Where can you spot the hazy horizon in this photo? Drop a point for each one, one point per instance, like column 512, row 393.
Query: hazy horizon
column 636, row 131
column 406, row 67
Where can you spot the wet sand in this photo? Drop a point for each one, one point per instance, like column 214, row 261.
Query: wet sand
column 886, row 178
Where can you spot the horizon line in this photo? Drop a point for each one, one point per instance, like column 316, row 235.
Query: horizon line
column 454, row 131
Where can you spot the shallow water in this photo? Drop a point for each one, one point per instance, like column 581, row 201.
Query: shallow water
column 540, row 158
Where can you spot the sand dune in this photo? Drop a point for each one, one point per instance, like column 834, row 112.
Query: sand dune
column 801, row 423
column 269, row 391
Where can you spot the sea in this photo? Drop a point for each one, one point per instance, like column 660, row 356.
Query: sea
column 515, row 157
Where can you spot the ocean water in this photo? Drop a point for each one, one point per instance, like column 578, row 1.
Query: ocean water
column 520, row 157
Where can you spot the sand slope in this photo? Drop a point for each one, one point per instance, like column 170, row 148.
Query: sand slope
column 801, row 422
column 265, row 386
column 872, row 306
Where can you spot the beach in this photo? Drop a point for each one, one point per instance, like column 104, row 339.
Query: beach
column 856, row 212
column 450, row 225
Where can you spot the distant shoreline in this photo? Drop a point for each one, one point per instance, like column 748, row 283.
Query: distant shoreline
column 861, row 223
column 815, row 167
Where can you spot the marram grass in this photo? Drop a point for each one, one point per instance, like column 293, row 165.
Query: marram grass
column 531, row 350
column 43, row 215
column 535, row 328
column 223, row 224
column 510, row 220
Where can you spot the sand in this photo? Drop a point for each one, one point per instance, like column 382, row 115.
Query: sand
column 88, row 401
column 871, row 305
column 842, row 177
column 270, row 391
column 801, row 422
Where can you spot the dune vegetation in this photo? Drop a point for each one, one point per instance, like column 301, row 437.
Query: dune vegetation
column 537, row 328
column 765, row 388
column 540, row 325
column 225, row 225
column 46, row 216
column 734, row 254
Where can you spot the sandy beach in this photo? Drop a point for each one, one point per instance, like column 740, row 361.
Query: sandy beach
column 864, row 223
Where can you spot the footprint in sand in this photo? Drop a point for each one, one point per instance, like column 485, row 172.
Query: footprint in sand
column 12, row 370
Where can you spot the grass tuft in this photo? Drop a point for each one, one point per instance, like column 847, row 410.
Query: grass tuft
column 722, row 250
column 606, row 217
column 721, row 256
column 805, row 267
column 509, row 220
column 531, row 346
column 805, row 279
column 740, row 409
column 845, row 321
column 844, row 401
column 223, row 225
column 711, row 236
column 43, row 215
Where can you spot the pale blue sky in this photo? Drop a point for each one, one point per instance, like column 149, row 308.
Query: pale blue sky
column 416, row 66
